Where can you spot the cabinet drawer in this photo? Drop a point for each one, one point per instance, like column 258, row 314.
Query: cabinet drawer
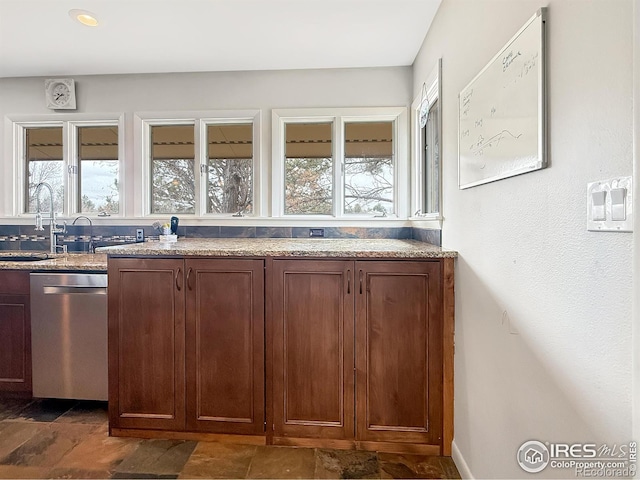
column 14, row 282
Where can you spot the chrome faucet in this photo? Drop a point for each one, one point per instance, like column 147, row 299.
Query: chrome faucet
column 53, row 228
column 90, row 247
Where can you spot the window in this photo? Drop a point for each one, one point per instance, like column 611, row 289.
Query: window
column 99, row 169
column 230, row 168
column 368, row 168
column 197, row 163
column 172, row 169
column 308, row 169
column 79, row 159
column 430, row 151
column 44, row 157
column 426, row 150
column 342, row 163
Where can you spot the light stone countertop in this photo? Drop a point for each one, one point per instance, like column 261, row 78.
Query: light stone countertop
column 233, row 247
column 283, row 247
column 69, row 262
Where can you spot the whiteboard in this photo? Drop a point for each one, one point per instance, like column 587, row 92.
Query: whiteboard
column 502, row 118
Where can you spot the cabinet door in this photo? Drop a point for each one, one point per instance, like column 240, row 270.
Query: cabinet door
column 225, row 345
column 313, row 363
column 15, row 344
column 146, row 343
column 399, row 351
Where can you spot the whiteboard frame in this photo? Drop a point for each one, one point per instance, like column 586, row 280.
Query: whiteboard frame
column 542, row 160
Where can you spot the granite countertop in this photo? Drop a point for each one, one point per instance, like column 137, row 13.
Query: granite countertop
column 283, row 247
column 69, row 262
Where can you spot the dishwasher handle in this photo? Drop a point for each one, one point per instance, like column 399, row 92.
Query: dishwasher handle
column 73, row 289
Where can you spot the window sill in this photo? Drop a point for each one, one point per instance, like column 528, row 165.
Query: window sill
column 427, row 222
column 189, row 220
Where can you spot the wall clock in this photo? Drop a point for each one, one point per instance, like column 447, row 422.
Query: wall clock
column 60, row 93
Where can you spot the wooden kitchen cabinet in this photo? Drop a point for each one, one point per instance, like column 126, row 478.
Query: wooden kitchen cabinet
column 146, row 343
column 15, row 334
column 225, row 346
column 351, row 353
column 399, row 352
column 313, row 371
column 358, row 354
column 186, row 345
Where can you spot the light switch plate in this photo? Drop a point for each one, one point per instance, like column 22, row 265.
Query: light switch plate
column 609, row 205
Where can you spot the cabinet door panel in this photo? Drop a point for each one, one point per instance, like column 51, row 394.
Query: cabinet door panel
column 15, row 344
column 146, row 343
column 399, row 351
column 313, row 349
column 225, row 345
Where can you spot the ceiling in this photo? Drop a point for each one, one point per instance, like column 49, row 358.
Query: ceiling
column 38, row 38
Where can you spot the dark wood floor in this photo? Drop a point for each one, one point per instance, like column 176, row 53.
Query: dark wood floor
column 68, row 439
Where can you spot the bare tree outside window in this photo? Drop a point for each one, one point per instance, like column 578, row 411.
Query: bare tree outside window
column 230, row 168
column 308, row 169
column 172, row 169
column 368, row 168
column 44, row 164
column 309, row 186
column 99, row 169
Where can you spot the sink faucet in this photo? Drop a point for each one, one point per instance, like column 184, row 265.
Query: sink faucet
column 53, row 228
column 91, row 247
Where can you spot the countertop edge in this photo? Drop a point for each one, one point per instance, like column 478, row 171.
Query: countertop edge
column 276, row 248
column 391, row 249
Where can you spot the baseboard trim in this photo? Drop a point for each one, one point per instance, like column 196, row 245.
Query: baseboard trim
column 195, row 436
column 460, row 462
column 387, row 447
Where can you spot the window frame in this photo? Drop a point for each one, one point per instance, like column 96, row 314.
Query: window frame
column 69, row 124
column 254, row 121
column 24, row 171
column 147, row 192
column 74, row 163
column 339, row 117
column 200, row 121
column 433, row 87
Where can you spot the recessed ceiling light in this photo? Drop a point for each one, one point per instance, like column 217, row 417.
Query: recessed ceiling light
column 84, row 17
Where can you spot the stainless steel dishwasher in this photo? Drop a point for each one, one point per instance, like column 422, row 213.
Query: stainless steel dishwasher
column 69, row 335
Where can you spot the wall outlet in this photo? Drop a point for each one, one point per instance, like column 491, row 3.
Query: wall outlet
column 316, row 232
column 139, row 235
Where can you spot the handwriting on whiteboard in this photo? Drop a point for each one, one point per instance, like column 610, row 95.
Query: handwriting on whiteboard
column 480, row 145
column 508, row 59
column 501, row 111
column 466, row 102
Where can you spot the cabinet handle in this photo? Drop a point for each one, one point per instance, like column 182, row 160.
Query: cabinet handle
column 360, row 282
column 348, row 281
column 189, row 278
column 178, row 275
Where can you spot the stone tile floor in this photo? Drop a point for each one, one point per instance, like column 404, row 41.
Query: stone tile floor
column 68, row 439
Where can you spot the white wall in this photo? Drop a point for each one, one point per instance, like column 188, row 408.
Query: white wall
column 365, row 87
column 636, row 233
column 543, row 307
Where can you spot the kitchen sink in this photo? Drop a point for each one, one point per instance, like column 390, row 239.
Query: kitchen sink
column 23, row 257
